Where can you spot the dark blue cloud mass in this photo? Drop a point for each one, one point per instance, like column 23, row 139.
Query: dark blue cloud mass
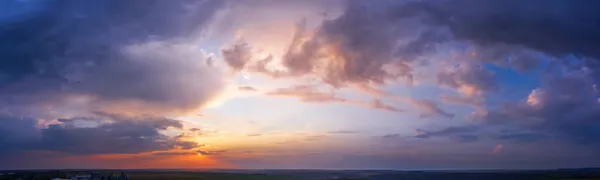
column 86, row 57
column 90, row 135
column 371, row 35
column 110, row 50
column 130, row 56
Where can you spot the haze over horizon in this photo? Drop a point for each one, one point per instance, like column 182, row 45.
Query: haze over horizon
column 291, row 84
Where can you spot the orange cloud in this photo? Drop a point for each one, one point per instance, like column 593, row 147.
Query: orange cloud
column 307, row 94
column 311, row 94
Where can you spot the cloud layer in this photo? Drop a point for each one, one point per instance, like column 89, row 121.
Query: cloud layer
column 92, row 135
column 111, row 52
column 484, row 78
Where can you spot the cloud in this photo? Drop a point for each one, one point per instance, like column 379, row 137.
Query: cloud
column 377, row 104
column 254, row 135
column 377, row 42
column 524, row 137
column 498, row 149
column 312, row 94
column 211, row 153
column 168, row 153
column 136, row 55
column 307, row 93
column 392, row 136
column 315, row 137
column 372, row 42
column 247, row 88
column 468, row 79
column 509, row 28
column 287, row 142
column 343, row 132
column 346, row 50
column 463, row 134
column 564, row 108
column 16, row 130
column 93, row 135
column 237, row 56
column 430, row 107
column 373, row 91
column 524, row 23
column 461, row 100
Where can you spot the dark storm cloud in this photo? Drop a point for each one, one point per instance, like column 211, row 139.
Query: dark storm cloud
column 557, row 27
column 113, row 134
column 112, row 50
column 512, row 31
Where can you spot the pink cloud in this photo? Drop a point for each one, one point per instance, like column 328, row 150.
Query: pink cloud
column 498, row 149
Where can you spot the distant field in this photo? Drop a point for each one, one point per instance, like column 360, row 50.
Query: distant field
column 583, row 174
column 203, row 176
column 46, row 175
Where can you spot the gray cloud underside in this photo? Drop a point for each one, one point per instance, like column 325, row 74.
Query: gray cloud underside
column 509, row 33
column 104, row 134
column 370, row 37
column 110, row 50
column 564, row 108
column 379, row 41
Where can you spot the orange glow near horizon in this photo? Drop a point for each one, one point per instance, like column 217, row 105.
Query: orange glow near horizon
column 149, row 161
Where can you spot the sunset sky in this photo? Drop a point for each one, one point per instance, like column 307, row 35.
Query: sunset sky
column 316, row 84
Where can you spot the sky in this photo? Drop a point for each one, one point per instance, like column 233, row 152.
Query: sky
column 283, row 84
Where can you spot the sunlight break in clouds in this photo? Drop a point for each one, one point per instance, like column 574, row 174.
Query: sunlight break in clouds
column 342, row 84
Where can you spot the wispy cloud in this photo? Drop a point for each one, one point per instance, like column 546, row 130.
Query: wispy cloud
column 343, row 132
column 211, row 153
column 315, row 137
column 312, row 94
column 308, row 93
column 247, row 88
column 377, row 104
column 168, row 153
column 430, row 108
